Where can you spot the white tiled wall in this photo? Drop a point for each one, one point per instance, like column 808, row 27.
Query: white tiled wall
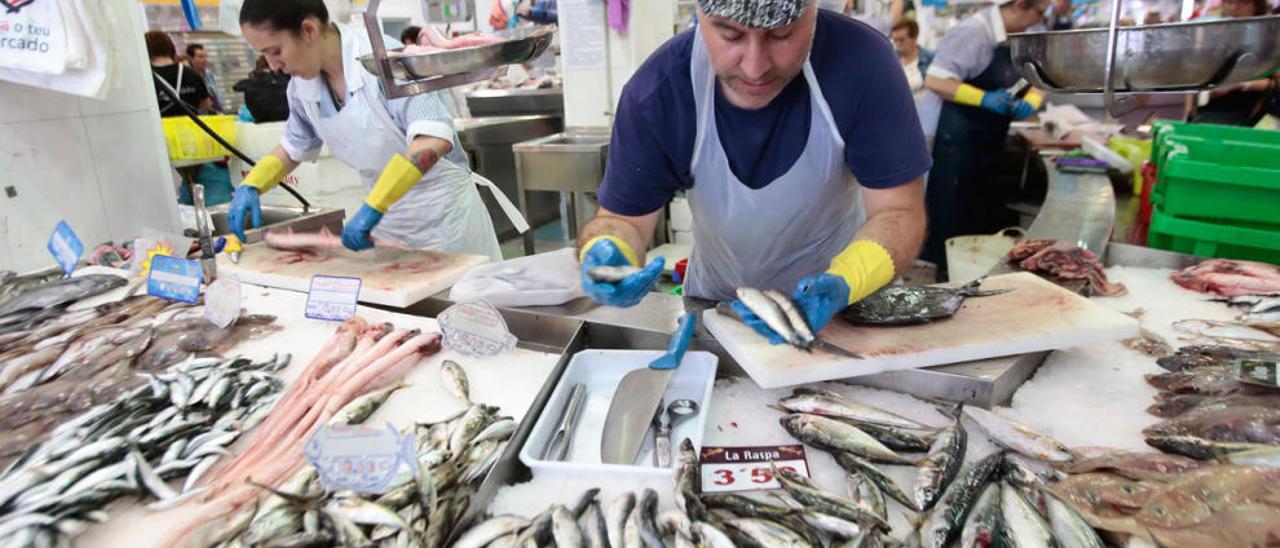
column 101, row 165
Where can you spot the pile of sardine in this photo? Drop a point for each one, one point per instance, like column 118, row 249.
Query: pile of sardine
column 78, row 359
column 1260, row 310
column 1208, row 412
column 175, row 426
column 860, row 436
column 453, row 457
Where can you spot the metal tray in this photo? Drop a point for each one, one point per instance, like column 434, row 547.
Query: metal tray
column 523, row 45
column 1154, row 58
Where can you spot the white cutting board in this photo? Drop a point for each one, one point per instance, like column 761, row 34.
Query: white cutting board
column 1036, row 316
column 389, row 276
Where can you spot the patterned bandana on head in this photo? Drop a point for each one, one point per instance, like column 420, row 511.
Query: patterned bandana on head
column 759, row 14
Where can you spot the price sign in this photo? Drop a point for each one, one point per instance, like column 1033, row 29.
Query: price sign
column 332, row 297
column 359, row 458
column 731, row 469
column 475, row 329
column 1260, row 371
column 65, row 247
column 222, row 301
column 174, row 279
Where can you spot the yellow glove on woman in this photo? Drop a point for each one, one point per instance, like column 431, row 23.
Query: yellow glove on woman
column 397, row 178
column 266, row 174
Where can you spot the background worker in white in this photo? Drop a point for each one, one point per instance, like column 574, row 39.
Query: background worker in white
column 421, row 191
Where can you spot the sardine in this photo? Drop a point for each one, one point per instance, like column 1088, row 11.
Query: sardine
column 647, row 508
column 1200, row 448
column 616, row 519
column 940, row 466
column 833, row 435
column 1025, row 524
column 611, row 274
column 455, row 380
column 864, row 492
column 595, row 532
column 837, row 406
column 708, row 536
column 941, row 525
column 804, row 334
column 770, row 313
column 765, row 533
column 1018, row 437
column 854, row 465
column 816, row 499
column 836, row 527
column 564, row 529
column 983, row 527
column 1069, row 527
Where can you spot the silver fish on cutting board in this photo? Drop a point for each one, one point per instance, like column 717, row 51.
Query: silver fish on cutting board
column 907, row 304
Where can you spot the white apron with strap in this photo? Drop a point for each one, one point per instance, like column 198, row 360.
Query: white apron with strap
column 443, row 211
column 771, row 237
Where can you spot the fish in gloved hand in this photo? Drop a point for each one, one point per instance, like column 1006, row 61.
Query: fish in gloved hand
column 611, row 273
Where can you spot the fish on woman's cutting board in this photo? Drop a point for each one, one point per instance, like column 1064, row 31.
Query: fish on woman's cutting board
column 905, row 305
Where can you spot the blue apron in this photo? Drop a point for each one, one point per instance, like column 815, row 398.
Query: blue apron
column 966, row 151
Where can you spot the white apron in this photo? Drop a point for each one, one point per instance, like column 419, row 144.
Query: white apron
column 772, row 237
column 443, row 211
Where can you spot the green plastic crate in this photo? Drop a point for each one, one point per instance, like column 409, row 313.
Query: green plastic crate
column 1208, row 239
column 1218, row 180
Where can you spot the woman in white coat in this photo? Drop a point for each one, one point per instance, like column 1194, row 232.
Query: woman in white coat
column 421, row 191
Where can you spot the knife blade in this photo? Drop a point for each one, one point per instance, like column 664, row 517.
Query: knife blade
column 631, row 411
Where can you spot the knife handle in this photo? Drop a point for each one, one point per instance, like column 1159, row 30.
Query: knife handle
column 679, row 341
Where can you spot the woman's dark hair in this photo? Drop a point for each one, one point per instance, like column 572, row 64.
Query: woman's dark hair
column 159, row 44
column 282, row 14
column 410, row 35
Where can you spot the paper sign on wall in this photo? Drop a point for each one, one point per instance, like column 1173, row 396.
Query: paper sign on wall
column 65, row 247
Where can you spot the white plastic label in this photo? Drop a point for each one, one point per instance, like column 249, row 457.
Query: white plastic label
column 332, row 297
column 731, row 469
column 360, row 458
column 475, row 329
column 222, row 301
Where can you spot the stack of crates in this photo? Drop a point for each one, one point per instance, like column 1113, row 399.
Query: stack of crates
column 1217, row 191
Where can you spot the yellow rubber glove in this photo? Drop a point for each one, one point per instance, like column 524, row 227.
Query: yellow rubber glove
column 967, row 94
column 266, row 174
column 1034, row 98
column 866, row 266
column 627, row 252
column 397, row 178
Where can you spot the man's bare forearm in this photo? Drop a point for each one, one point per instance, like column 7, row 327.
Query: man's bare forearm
column 900, row 232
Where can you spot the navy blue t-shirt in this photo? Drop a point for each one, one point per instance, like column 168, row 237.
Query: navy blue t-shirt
column 651, row 154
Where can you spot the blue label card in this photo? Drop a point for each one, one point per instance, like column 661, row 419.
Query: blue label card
column 360, row 458
column 332, row 297
column 65, row 247
column 174, row 279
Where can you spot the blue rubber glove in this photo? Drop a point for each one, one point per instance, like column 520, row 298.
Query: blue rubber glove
column 754, row 322
column 1021, row 110
column 245, row 202
column 355, row 236
column 820, row 298
column 999, row 101
column 630, row 290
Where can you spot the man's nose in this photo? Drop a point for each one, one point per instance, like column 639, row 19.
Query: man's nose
column 756, row 62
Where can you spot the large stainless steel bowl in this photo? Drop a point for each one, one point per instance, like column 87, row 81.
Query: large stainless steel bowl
column 1169, row 57
column 525, row 44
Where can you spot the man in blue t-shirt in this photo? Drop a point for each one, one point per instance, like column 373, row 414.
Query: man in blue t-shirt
column 794, row 135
